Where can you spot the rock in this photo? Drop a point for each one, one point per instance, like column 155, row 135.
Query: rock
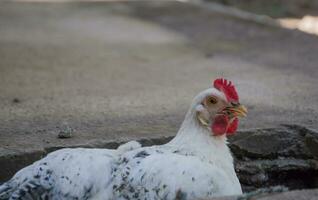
column 312, row 145
column 264, row 173
column 276, row 156
column 276, row 195
column 291, row 195
column 65, row 132
column 271, row 143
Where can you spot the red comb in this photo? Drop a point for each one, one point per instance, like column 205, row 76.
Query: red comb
column 227, row 88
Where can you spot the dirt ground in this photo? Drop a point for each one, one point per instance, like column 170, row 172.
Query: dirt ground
column 120, row 71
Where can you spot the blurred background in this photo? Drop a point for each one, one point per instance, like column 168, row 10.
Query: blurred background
column 103, row 72
column 275, row 8
column 299, row 14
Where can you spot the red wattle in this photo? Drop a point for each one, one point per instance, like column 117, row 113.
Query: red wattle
column 232, row 127
column 220, row 124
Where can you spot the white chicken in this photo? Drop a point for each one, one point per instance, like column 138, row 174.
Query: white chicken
column 196, row 164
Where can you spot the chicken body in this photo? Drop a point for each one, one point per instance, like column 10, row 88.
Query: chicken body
column 191, row 166
column 196, row 164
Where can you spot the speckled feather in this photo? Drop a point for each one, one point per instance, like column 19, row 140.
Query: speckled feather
column 165, row 172
column 66, row 174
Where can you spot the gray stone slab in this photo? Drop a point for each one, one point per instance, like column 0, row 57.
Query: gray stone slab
column 290, row 195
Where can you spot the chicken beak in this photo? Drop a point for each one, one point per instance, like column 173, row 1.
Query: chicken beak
column 238, row 110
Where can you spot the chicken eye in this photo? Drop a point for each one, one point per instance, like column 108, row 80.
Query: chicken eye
column 213, row 100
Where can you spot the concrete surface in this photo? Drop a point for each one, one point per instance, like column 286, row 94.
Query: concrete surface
column 120, row 71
